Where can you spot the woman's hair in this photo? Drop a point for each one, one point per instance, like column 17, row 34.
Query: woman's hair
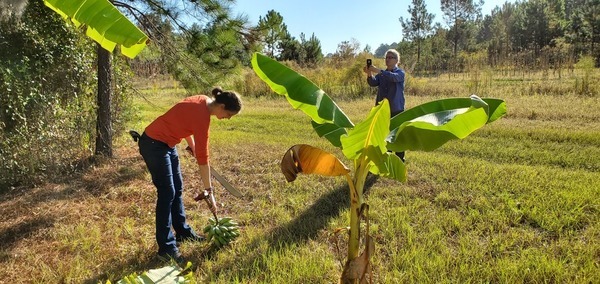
column 395, row 52
column 229, row 99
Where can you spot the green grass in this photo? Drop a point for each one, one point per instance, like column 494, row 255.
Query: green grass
column 516, row 202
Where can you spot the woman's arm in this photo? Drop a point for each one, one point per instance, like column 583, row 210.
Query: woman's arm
column 205, row 175
column 204, row 169
column 191, row 144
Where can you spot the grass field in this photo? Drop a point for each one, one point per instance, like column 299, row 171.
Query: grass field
column 516, row 202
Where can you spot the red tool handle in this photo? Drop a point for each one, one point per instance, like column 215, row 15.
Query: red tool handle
column 209, row 197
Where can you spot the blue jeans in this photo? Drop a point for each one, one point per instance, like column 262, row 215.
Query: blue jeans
column 163, row 163
column 399, row 154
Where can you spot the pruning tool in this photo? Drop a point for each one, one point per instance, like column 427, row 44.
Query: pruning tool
column 209, row 197
column 221, row 179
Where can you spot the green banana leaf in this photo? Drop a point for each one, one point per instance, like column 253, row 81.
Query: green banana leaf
column 496, row 108
column 302, row 94
column 368, row 138
column 166, row 274
column 331, row 132
column 370, row 132
column 105, row 24
column 429, row 126
column 386, row 165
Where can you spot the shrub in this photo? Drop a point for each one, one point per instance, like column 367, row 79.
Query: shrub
column 584, row 85
column 48, row 97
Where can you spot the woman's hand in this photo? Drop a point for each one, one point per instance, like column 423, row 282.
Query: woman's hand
column 205, row 194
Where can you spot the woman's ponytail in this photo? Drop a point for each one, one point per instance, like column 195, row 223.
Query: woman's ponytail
column 229, row 99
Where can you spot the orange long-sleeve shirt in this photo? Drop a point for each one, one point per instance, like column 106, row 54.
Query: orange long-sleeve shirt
column 188, row 117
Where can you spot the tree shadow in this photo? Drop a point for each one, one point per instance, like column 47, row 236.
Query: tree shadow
column 19, row 202
column 12, row 235
column 303, row 228
column 135, row 264
column 145, row 261
column 84, row 177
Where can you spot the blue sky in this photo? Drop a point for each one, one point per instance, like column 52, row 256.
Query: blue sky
column 334, row 21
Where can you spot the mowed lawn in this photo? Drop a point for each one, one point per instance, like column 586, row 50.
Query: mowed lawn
column 516, row 202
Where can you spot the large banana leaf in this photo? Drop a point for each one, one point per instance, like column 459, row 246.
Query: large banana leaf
column 370, row 132
column 368, row 138
column 303, row 94
column 496, row 108
column 105, row 24
column 428, row 126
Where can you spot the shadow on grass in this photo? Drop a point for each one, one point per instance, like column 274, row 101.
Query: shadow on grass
column 144, row 262
column 303, row 228
column 12, row 235
column 122, row 269
column 53, row 201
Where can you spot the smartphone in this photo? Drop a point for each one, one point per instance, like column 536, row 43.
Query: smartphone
column 368, row 63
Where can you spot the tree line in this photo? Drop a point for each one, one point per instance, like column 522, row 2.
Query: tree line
column 532, row 34
column 529, row 34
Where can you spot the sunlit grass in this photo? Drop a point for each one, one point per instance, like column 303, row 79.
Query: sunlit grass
column 516, row 202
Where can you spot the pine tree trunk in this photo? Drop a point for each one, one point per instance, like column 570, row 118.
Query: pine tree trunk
column 103, row 122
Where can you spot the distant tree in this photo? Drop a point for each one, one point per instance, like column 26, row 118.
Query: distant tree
column 347, row 49
column 537, row 25
column 460, row 16
column 312, row 49
column 517, row 29
column 440, row 53
column 496, row 32
column 485, row 31
column 418, row 26
column 408, row 54
column 584, row 29
column 291, row 49
column 380, row 51
column 272, row 30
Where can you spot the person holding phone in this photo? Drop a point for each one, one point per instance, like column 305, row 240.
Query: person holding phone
column 389, row 83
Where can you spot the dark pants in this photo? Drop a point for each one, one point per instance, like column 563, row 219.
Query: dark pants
column 399, row 154
column 163, row 163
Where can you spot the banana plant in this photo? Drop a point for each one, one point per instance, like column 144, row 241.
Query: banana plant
column 370, row 144
column 104, row 24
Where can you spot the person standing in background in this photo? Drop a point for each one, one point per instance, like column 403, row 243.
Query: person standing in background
column 389, row 83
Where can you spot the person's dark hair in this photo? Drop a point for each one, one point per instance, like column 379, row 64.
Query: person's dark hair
column 231, row 100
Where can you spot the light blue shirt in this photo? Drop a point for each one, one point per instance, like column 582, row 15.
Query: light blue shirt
column 391, row 86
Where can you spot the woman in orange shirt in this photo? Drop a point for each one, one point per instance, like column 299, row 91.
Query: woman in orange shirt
column 189, row 120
